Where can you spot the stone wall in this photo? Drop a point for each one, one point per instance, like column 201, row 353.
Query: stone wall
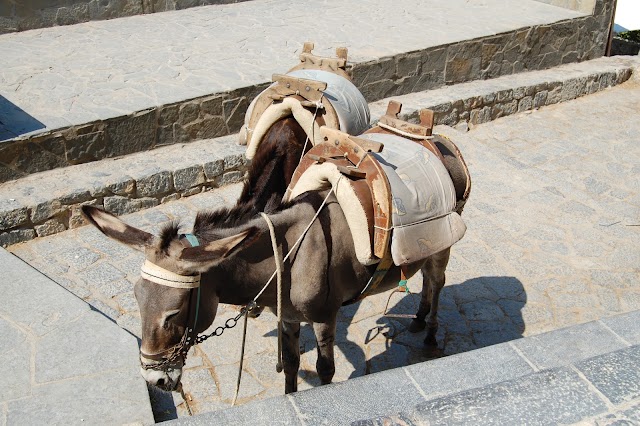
column 21, row 15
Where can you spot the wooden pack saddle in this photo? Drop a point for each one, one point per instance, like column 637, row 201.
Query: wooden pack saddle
column 317, row 92
column 362, row 180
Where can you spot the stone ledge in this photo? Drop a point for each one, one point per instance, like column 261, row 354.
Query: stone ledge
column 208, row 110
column 48, row 203
column 496, row 384
column 468, row 104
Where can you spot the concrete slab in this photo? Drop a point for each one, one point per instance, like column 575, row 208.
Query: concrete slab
column 63, row 363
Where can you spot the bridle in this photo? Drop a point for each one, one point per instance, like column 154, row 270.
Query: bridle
column 165, row 360
column 158, row 275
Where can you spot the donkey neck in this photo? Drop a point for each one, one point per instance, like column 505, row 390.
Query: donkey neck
column 240, row 277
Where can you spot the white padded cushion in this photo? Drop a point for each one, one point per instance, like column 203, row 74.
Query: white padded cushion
column 325, row 176
column 288, row 107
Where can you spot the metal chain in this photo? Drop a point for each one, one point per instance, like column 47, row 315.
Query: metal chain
column 182, row 348
column 230, row 323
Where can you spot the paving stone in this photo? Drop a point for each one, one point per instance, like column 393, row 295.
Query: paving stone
column 79, row 258
column 553, row 396
column 342, row 403
column 101, row 274
column 199, row 384
column 37, row 310
column 615, row 374
column 15, row 365
column 114, row 397
column 568, row 345
column 57, row 358
column 624, row 326
column 227, row 376
column 467, row 371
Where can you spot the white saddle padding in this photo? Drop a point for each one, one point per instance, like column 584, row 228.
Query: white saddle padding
column 423, row 199
column 345, row 98
column 288, row 107
column 324, row 176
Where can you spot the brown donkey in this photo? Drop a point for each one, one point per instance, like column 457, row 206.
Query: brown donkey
column 229, row 258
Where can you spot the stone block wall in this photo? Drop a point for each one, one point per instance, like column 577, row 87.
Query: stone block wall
column 196, row 119
column 528, row 49
column 21, row 15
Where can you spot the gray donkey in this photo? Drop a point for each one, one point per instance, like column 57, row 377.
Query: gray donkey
column 229, row 258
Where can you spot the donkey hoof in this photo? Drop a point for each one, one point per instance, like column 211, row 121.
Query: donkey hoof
column 417, row 325
column 430, row 341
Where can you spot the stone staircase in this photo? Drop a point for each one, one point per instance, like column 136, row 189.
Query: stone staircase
column 586, row 374
column 107, row 112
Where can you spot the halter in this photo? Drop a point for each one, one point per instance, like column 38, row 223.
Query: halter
column 158, row 275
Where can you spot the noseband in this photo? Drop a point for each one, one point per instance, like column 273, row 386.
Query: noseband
column 157, row 275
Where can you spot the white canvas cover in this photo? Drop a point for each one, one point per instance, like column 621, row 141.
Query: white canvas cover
column 346, row 99
column 423, row 199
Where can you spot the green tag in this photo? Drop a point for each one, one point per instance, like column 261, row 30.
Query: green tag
column 403, row 285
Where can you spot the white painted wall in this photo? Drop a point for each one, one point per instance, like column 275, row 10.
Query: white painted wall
column 628, row 14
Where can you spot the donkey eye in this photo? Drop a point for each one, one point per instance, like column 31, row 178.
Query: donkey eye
column 168, row 316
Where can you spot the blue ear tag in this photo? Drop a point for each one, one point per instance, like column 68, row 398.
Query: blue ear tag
column 403, row 285
column 193, row 240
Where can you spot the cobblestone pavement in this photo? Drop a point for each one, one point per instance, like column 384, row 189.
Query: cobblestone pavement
column 553, row 240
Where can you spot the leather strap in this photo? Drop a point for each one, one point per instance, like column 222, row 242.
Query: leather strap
column 155, row 274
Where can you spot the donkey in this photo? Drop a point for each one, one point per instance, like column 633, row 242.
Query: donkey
column 231, row 262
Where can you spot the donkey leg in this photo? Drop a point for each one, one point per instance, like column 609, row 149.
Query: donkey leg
column 418, row 323
column 290, row 355
column 434, row 270
column 325, row 337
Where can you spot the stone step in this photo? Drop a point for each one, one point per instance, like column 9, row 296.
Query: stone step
column 63, row 362
column 48, row 202
column 85, row 92
column 586, row 373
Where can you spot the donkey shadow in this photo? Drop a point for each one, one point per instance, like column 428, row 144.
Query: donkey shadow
column 479, row 312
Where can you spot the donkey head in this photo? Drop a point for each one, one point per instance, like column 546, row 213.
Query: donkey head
column 169, row 290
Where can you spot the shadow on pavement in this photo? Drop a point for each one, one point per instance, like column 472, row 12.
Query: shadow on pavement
column 14, row 121
column 479, row 312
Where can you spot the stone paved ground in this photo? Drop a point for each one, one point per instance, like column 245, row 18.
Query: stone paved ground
column 552, row 240
column 71, row 75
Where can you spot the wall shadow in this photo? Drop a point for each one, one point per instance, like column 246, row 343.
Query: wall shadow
column 479, row 312
column 14, row 121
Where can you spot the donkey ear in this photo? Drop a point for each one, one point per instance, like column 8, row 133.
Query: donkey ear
column 201, row 258
column 114, row 228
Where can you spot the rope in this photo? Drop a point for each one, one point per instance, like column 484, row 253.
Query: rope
column 278, row 272
column 244, row 338
column 255, row 299
column 313, row 128
column 279, row 266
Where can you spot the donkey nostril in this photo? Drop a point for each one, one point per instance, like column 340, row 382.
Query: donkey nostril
column 160, row 382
